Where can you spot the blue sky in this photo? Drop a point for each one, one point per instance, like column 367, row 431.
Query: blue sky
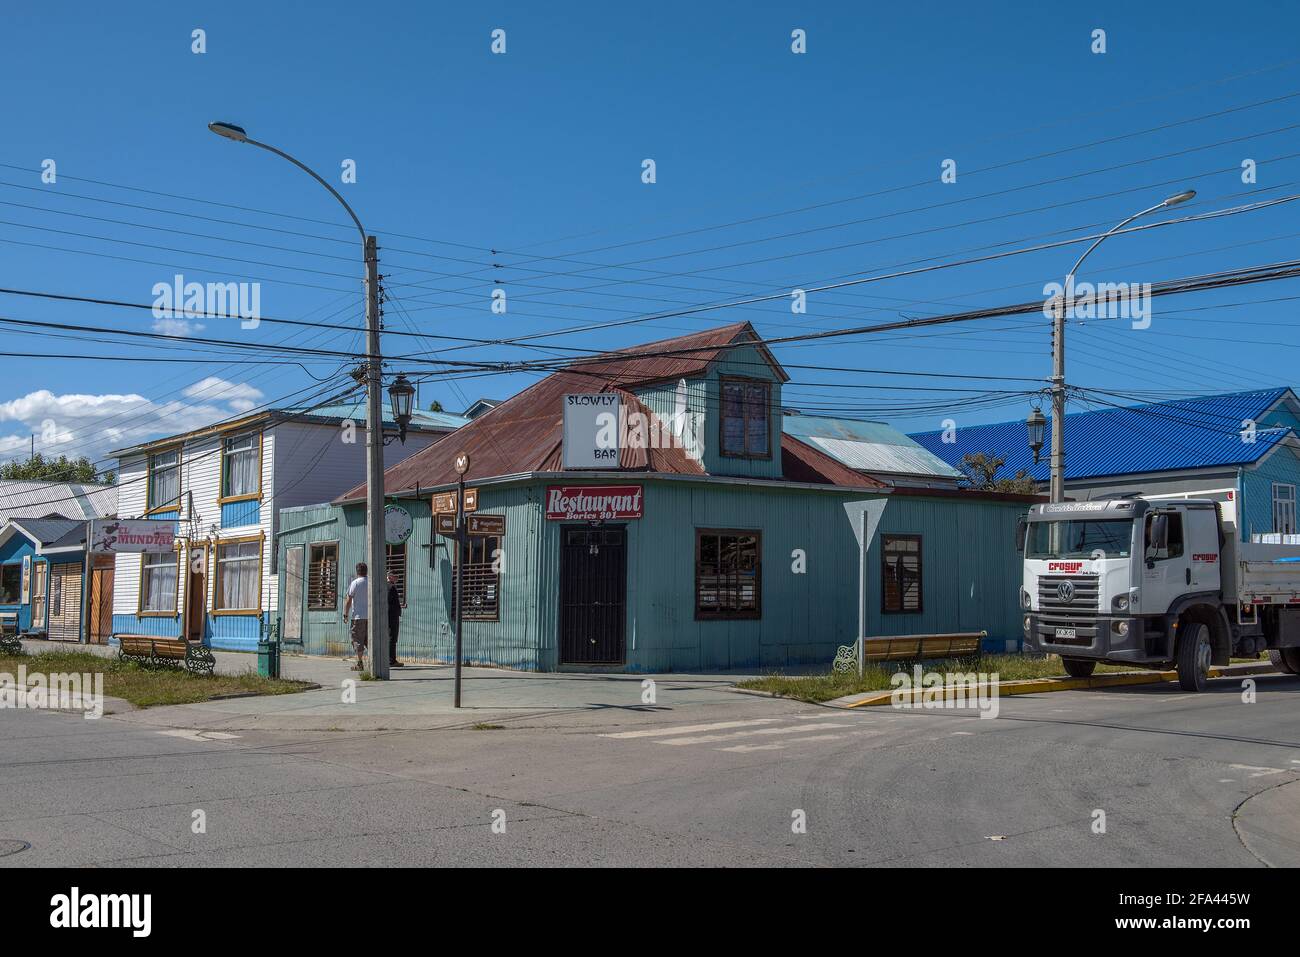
column 537, row 155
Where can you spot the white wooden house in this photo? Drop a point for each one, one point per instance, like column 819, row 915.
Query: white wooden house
column 225, row 485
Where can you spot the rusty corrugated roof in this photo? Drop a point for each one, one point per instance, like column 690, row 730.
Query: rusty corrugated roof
column 525, row 433
column 682, row 356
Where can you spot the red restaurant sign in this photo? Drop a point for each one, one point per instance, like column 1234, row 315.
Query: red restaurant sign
column 589, row 503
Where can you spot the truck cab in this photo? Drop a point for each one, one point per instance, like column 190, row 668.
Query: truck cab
column 1116, row 580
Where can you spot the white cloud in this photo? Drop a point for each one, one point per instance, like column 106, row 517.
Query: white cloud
column 239, row 395
column 177, row 327
column 76, row 424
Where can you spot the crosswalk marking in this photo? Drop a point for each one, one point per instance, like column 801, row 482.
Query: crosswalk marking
column 730, row 735
column 1259, row 772
column 692, row 728
column 754, row 734
column 780, row 745
column 191, row 734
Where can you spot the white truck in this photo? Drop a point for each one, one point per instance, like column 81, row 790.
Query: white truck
column 1156, row 582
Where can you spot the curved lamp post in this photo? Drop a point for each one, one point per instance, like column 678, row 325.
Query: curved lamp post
column 375, row 556
column 1057, row 492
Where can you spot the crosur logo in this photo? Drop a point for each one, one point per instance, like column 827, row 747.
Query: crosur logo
column 74, row 910
column 1064, row 566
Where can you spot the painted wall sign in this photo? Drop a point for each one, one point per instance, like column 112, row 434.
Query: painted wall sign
column 591, row 425
column 589, row 503
column 132, row 534
column 487, row 524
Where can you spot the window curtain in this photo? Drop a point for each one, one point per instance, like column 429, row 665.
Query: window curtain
column 160, row 581
column 241, row 466
column 239, row 575
column 165, row 479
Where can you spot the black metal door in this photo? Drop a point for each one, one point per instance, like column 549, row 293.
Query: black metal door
column 593, row 595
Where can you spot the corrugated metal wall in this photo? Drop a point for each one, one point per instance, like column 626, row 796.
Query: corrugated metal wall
column 515, row 641
column 971, row 576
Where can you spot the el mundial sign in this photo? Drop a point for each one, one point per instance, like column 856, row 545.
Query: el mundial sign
column 132, row 535
column 590, row 503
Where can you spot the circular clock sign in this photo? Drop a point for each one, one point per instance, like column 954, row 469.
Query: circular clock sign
column 397, row 524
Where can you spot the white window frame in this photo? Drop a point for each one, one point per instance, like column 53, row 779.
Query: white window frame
column 1284, row 512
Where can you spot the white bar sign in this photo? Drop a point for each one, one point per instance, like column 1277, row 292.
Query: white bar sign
column 591, row 431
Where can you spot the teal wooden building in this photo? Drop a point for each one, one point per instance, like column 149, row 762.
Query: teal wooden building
column 710, row 541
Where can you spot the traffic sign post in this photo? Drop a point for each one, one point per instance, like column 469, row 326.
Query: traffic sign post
column 462, row 466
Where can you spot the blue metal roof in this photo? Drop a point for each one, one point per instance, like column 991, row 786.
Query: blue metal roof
column 1194, row 433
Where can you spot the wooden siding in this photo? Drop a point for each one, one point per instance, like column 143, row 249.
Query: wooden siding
column 972, row 576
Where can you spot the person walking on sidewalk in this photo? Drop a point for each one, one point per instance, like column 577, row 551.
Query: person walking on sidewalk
column 356, row 611
column 394, row 619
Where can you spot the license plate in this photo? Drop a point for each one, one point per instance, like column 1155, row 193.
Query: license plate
column 1066, row 633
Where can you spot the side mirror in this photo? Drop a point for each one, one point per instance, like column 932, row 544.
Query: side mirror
column 1157, row 536
column 1022, row 528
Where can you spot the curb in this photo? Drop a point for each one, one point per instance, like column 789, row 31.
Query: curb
column 1047, row 685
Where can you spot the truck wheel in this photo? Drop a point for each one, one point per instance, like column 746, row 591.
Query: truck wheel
column 1194, row 654
column 1278, row 657
column 1079, row 667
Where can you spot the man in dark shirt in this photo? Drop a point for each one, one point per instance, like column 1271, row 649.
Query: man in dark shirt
column 394, row 619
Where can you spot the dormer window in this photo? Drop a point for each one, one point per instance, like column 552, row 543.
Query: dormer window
column 745, row 419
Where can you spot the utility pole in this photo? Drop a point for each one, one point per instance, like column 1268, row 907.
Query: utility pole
column 1056, row 490
column 376, row 557
column 375, row 564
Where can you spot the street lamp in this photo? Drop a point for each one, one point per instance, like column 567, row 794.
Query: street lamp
column 1057, row 491
column 1034, row 426
column 400, row 394
column 375, row 552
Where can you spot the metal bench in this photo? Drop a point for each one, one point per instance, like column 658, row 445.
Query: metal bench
column 909, row 648
column 166, row 652
column 9, row 641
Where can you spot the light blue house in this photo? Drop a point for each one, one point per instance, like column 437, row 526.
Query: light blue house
column 42, row 576
column 1238, row 447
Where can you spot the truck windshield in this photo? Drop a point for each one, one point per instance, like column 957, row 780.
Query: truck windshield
column 1080, row 539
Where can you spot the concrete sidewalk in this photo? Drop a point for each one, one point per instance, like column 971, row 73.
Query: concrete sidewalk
column 420, row 696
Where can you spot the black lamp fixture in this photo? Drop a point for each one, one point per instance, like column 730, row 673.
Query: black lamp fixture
column 1035, row 425
column 400, row 395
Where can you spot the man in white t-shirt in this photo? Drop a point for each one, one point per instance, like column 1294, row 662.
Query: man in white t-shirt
column 356, row 610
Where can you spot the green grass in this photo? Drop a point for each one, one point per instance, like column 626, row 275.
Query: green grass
column 875, row 677
column 484, row 726
column 147, row 687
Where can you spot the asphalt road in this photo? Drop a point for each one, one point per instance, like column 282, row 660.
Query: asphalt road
column 1182, row 780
